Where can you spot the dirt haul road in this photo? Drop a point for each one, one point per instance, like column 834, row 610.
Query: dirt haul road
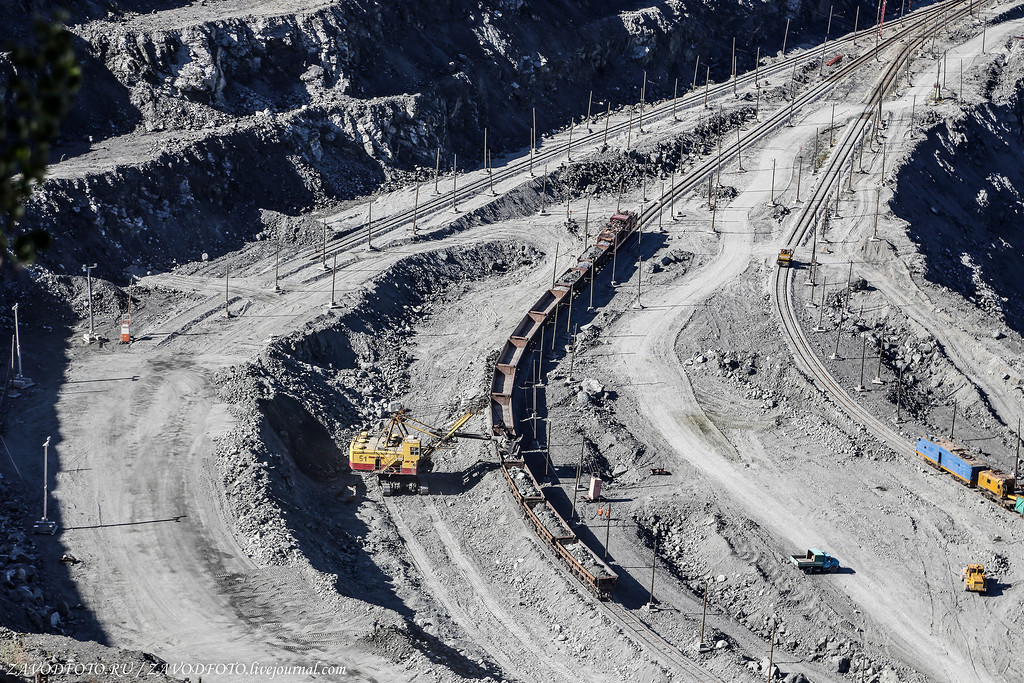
column 141, row 504
column 922, row 618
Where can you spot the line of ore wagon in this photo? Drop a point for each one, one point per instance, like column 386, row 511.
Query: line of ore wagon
column 506, row 407
column 971, row 471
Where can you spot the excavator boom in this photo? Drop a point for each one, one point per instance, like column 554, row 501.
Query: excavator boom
column 397, row 456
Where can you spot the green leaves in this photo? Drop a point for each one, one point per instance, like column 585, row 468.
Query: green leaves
column 45, row 76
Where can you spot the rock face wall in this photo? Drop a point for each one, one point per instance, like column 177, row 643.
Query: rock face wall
column 198, row 117
column 967, row 224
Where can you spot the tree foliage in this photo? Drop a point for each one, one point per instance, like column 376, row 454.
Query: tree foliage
column 44, row 77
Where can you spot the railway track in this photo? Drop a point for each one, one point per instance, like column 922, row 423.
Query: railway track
column 649, row 638
column 805, row 224
column 558, row 151
column 917, row 27
column 915, row 32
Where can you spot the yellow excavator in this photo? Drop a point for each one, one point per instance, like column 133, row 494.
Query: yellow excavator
column 397, row 454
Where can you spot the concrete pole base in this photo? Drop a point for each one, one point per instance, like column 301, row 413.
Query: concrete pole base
column 45, row 526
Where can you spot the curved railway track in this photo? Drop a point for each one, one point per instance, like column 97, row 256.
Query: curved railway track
column 650, row 638
column 915, row 33
column 805, row 224
column 436, row 203
column 915, row 29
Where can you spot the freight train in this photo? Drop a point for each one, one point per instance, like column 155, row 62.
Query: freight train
column 505, row 414
column 971, row 471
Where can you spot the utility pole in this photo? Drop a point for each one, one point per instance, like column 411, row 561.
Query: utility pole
column 91, row 336
column 572, row 124
column 490, row 173
column 785, row 38
column 576, row 488
column 437, row 170
column 849, row 279
column 590, row 101
column 707, row 85
column 881, row 348
column 334, row 277
column 675, row 95
column 568, row 319
column 586, row 224
column 369, row 226
column 899, row 390
column 832, row 127
column 615, row 255
column 771, row 649
column 839, row 330
column 45, row 525
column 739, row 151
column 416, row 208
column 20, row 381
column 629, row 129
column 643, row 96
column 455, row 180
column 227, row 300
column 799, row 172
column 554, row 267
column 323, row 264
column 572, row 342
column 878, row 200
column 672, row 199
column 592, row 269
column 661, row 209
column 821, row 312
column 704, row 615
column 608, row 527
column 952, row 425
column 547, row 444
column 816, row 150
column 1017, row 461
column 863, row 354
column 277, row 259
column 734, row 66
column 607, row 119
column 639, row 275
column 773, row 183
column 654, row 562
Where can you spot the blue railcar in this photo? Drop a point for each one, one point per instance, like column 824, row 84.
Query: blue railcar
column 951, row 457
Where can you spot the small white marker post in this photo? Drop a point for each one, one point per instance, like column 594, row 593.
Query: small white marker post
column 45, row 525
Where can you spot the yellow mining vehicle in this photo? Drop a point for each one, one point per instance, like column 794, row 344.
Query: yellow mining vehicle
column 785, row 259
column 397, row 454
column 974, row 578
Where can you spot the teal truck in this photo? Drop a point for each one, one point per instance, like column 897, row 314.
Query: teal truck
column 815, row 561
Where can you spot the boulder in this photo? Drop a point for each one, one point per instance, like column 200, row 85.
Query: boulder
column 591, row 387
